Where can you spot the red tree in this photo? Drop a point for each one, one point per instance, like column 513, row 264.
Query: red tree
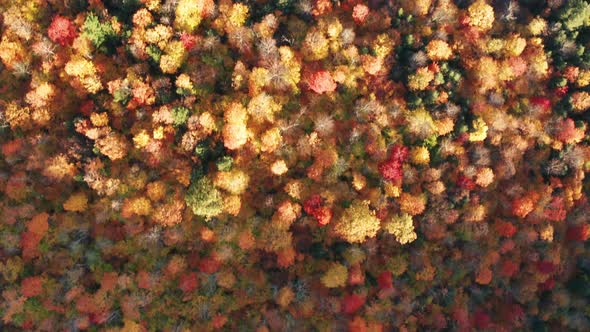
column 313, row 206
column 352, row 303
column 578, row 233
column 62, row 31
column 391, row 169
column 188, row 282
column 32, row 286
column 321, row 82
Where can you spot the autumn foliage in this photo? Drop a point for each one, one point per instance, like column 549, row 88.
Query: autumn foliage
column 391, row 169
column 62, row 31
column 321, row 81
column 294, row 165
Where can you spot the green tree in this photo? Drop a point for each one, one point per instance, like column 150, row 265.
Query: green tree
column 203, row 198
column 575, row 14
column 180, row 115
column 102, row 35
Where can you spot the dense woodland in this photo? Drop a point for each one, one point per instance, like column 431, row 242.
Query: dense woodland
column 294, row 165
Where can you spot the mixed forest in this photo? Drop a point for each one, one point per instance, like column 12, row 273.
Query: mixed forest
column 294, row 165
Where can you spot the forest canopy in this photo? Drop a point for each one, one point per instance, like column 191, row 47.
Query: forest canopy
column 294, row 165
